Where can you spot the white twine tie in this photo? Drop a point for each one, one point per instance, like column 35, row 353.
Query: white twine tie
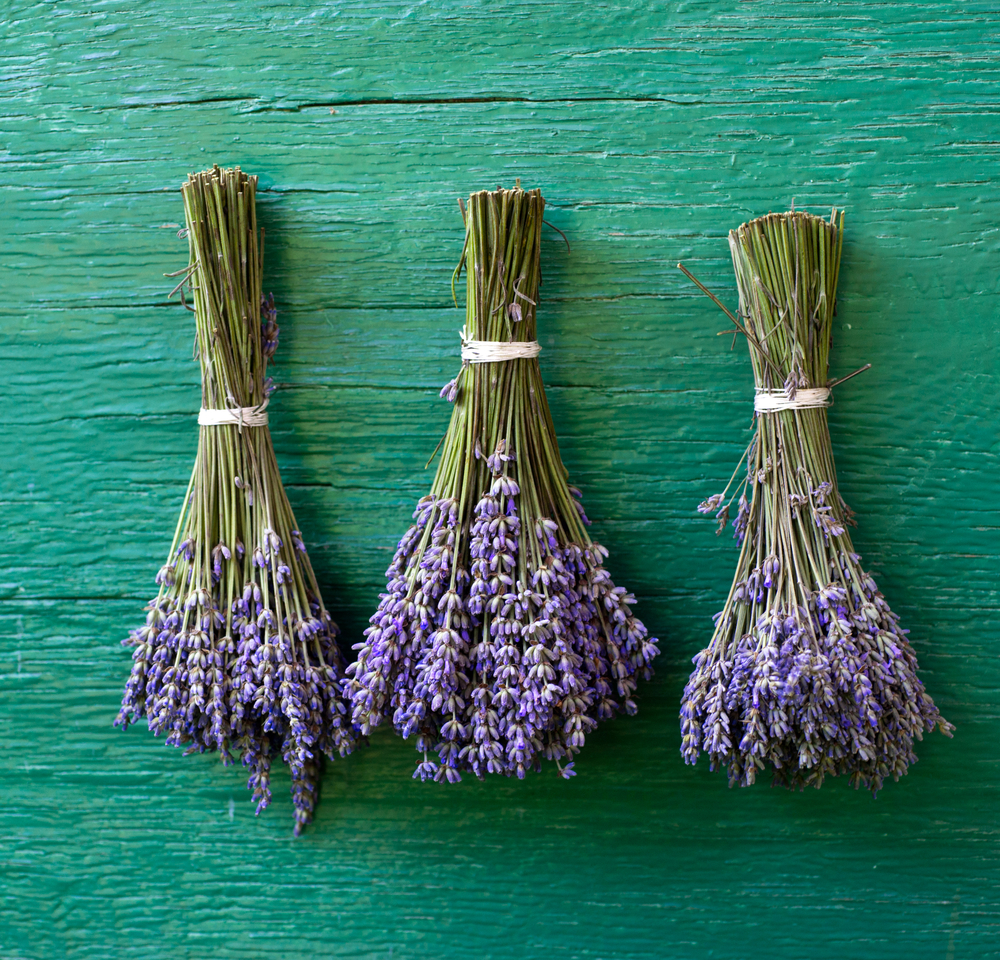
column 237, row 416
column 496, row 351
column 771, row 401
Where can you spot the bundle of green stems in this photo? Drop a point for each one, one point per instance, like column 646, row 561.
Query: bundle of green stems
column 808, row 671
column 501, row 639
column 238, row 652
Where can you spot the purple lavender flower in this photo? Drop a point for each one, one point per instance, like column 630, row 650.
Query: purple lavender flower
column 712, row 504
column 449, row 391
column 742, row 519
column 269, row 320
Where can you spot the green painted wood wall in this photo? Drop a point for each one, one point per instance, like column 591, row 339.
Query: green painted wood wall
column 652, row 129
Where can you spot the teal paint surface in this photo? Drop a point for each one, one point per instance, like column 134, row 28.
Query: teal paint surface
column 652, row 129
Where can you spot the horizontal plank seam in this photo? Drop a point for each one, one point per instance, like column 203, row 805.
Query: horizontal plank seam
column 263, row 106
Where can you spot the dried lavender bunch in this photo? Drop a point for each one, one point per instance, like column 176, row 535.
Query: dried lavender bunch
column 808, row 671
column 501, row 638
column 238, row 652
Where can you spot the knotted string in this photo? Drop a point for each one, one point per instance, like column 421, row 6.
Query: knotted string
column 496, row 351
column 238, row 416
column 805, row 398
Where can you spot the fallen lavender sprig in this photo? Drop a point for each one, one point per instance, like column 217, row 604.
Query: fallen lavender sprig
column 808, row 670
column 500, row 639
column 238, row 652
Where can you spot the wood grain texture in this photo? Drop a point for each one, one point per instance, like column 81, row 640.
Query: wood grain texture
column 652, row 128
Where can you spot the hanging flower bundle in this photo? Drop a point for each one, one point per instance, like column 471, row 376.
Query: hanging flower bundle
column 238, row 652
column 808, row 671
column 500, row 639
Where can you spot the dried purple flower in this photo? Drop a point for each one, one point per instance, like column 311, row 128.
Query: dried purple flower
column 449, row 391
column 712, row 503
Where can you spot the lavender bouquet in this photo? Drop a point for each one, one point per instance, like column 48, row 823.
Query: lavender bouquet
column 238, row 652
column 500, row 639
column 808, row 671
